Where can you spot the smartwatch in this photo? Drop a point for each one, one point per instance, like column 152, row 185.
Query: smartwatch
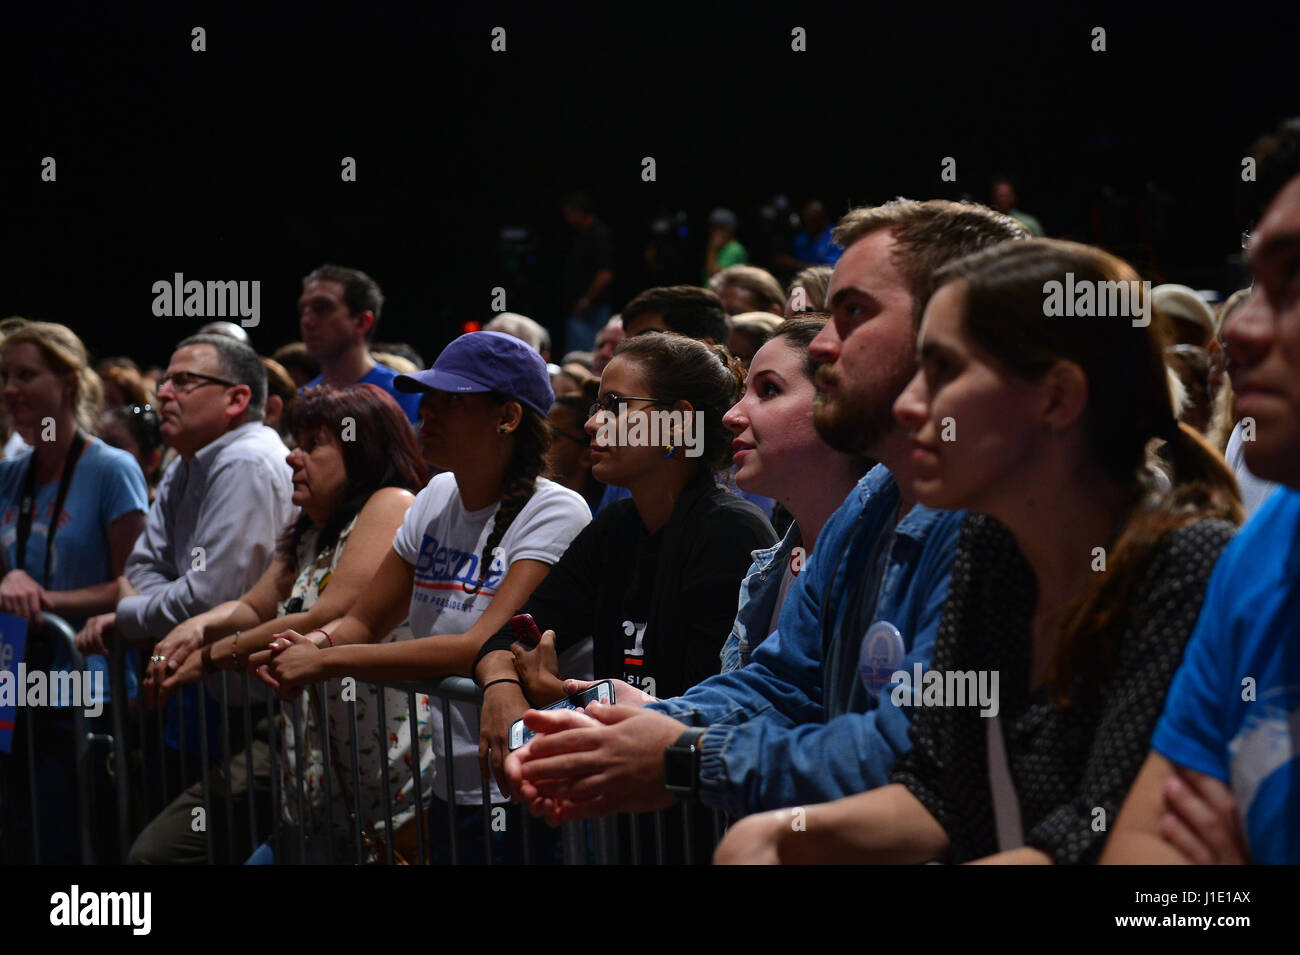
column 682, row 763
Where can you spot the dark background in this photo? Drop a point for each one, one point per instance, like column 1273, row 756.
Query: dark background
column 225, row 164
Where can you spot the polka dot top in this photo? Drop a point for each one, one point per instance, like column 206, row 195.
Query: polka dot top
column 1071, row 769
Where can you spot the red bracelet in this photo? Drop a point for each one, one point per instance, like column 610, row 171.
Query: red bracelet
column 319, row 630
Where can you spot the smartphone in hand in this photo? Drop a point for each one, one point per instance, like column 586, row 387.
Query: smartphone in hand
column 602, row 692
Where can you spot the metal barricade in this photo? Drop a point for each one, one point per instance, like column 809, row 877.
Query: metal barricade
column 598, row 842
column 161, row 772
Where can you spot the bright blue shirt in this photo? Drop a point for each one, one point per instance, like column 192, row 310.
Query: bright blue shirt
column 819, row 250
column 382, row 377
column 106, row 484
column 1233, row 711
column 804, row 721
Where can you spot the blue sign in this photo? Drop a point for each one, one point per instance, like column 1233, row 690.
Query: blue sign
column 13, row 641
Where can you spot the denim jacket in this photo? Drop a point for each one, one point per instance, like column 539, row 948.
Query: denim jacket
column 758, row 593
column 799, row 724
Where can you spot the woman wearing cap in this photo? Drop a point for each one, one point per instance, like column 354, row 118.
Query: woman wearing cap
column 473, row 546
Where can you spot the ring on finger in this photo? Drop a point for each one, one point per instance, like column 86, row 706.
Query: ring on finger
column 157, row 659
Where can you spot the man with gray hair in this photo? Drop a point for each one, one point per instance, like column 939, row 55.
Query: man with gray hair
column 522, row 327
column 209, row 536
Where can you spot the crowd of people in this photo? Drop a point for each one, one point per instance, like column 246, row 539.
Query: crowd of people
column 894, row 563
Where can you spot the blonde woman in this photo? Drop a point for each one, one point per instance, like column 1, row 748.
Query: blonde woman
column 70, row 511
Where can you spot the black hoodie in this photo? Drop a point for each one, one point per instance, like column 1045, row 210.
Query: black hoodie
column 658, row 606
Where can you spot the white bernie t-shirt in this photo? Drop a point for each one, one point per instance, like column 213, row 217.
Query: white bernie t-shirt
column 445, row 542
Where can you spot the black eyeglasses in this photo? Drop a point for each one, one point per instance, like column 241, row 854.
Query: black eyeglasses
column 610, row 401
column 187, row 381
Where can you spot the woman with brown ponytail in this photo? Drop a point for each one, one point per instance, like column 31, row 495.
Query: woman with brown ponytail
column 1077, row 579
column 652, row 581
column 472, row 547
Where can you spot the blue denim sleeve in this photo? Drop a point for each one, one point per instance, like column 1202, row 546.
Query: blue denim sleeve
column 746, row 625
column 730, row 656
column 772, row 763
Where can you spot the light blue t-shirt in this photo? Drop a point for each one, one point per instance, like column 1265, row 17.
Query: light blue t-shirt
column 1233, row 711
column 382, row 376
column 106, row 484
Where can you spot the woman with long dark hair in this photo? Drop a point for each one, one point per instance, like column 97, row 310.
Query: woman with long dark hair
column 652, row 580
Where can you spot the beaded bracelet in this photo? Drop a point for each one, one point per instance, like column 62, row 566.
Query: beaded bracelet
column 321, row 630
column 234, row 649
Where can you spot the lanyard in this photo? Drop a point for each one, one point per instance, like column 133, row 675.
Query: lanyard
column 27, row 505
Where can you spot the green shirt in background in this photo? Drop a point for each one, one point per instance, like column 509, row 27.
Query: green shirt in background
column 733, row 253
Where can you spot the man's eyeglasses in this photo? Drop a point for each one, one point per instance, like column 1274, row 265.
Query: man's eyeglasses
column 186, row 381
column 610, row 401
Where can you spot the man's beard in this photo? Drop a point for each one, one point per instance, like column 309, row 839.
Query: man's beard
column 855, row 423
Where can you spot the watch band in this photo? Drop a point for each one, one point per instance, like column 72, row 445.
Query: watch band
column 682, row 763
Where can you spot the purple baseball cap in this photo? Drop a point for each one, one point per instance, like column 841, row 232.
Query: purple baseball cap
column 487, row 361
